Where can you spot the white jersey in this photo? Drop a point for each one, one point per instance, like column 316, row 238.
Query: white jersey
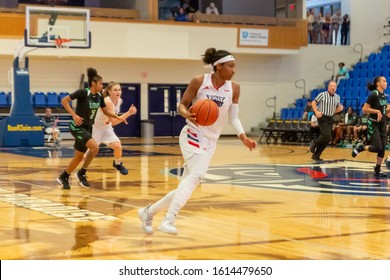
column 224, row 99
column 101, row 120
column 102, row 130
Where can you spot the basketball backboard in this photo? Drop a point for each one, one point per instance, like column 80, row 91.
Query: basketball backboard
column 46, row 24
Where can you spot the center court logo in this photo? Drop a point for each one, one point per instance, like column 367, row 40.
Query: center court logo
column 341, row 177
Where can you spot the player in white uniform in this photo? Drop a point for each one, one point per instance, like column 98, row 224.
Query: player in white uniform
column 198, row 143
column 103, row 131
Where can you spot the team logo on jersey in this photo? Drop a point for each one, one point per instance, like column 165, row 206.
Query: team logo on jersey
column 340, row 176
column 217, row 99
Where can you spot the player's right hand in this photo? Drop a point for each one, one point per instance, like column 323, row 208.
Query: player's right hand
column 78, row 120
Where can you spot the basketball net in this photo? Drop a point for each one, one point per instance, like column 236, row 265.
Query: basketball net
column 62, row 45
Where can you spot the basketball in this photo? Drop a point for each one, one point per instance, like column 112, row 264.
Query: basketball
column 206, row 112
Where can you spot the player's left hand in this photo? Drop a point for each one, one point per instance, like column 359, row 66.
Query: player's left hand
column 132, row 110
column 122, row 119
column 251, row 144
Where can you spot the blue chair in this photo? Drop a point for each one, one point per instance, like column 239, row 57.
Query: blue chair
column 39, row 99
column 348, row 93
column 355, row 82
column 342, row 83
column 52, row 100
column 341, row 92
column 3, row 99
column 373, row 57
column 370, row 73
column 378, row 72
column 348, row 83
column 284, row 113
column 363, row 74
column 386, row 48
column 354, row 73
column 314, row 93
column 9, row 98
column 290, row 113
column 61, row 95
column 297, row 113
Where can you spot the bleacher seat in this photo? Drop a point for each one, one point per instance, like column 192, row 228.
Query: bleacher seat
column 386, row 48
column 52, row 100
column 348, row 93
column 290, row 113
column 61, row 95
column 39, row 99
column 283, row 114
column 9, row 98
column 297, row 114
column 341, row 92
column 3, row 99
column 342, row 83
column 314, row 93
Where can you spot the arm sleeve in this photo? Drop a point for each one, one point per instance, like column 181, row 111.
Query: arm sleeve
column 235, row 122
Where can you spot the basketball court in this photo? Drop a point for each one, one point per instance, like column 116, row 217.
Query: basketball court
column 274, row 203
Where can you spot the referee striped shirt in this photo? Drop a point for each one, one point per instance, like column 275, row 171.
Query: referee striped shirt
column 327, row 103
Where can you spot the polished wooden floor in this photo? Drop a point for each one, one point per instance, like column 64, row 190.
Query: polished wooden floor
column 274, row 203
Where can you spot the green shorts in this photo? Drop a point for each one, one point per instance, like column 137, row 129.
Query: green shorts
column 82, row 134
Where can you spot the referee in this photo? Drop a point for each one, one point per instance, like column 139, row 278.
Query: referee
column 325, row 105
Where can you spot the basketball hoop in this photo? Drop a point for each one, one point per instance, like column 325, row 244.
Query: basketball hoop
column 61, row 45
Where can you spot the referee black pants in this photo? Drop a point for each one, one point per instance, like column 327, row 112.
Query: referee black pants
column 325, row 124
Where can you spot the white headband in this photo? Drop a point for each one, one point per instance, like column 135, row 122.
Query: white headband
column 224, row 59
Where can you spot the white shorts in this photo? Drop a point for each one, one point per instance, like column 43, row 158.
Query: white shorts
column 192, row 143
column 50, row 130
column 105, row 135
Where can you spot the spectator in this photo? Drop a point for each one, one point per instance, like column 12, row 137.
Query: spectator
column 338, row 121
column 307, row 109
column 50, row 123
column 181, row 15
column 342, row 73
column 318, row 32
column 360, row 129
column 351, row 119
column 211, row 9
column 195, row 18
column 345, row 29
column 325, row 28
column 336, row 20
column 310, row 27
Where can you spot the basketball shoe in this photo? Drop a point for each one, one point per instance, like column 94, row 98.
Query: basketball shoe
column 378, row 173
column 358, row 149
column 387, row 162
column 168, row 226
column 123, row 170
column 146, row 219
column 82, row 179
column 63, row 180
